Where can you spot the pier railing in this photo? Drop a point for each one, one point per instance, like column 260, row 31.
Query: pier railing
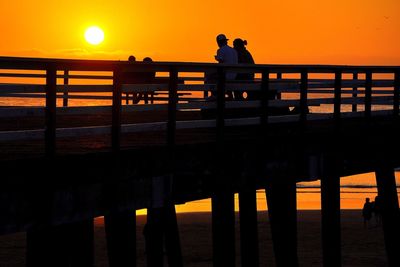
column 48, row 89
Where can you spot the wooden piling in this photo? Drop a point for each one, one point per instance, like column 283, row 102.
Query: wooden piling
column 161, row 233
column 172, row 240
column 120, row 228
column 330, row 212
column 154, row 238
column 281, row 200
column 387, row 193
column 66, row 245
column 223, row 229
column 248, row 228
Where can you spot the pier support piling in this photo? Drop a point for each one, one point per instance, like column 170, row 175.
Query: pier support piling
column 66, row 245
column 248, row 228
column 223, row 229
column 120, row 231
column 161, row 232
column 330, row 213
column 281, row 200
column 387, row 193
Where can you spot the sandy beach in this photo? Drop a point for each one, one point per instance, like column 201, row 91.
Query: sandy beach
column 360, row 246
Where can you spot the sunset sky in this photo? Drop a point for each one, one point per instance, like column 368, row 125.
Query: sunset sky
column 278, row 31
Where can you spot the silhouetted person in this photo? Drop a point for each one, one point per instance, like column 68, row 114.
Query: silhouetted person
column 148, row 77
column 225, row 55
column 367, row 211
column 376, row 209
column 244, row 57
column 132, row 58
column 135, row 77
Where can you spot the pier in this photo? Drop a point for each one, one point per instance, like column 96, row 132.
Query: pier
column 75, row 145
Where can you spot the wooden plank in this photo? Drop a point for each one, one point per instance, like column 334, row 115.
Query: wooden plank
column 10, row 112
column 27, row 135
column 21, row 88
column 38, row 134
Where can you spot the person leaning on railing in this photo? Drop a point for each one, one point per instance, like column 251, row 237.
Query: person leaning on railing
column 244, row 57
column 225, row 55
column 139, row 78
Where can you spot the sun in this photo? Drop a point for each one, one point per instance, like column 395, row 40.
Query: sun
column 94, row 35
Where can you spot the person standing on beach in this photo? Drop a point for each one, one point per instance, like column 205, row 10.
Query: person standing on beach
column 376, row 209
column 367, row 211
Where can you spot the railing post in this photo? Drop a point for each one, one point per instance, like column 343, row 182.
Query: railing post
column 172, row 102
column 355, row 89
column 264, row 99
column 50, row 110
column 303, row 97
column 116, row 111
column 368, row 94
column 396, row 94
column 65, row 91
column 337, row 97
column 220, row 105
column 172, row 241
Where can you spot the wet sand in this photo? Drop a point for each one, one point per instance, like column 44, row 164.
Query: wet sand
column 360, row 246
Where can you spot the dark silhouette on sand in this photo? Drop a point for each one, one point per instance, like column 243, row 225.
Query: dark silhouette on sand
column 367, row 212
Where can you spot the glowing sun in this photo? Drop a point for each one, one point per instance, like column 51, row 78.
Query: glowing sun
column 94, row 35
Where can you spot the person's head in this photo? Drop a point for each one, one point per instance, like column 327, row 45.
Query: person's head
column 222, row 40
column 367, row 199
column 132, row 58
column 147, row 59
column 239, row 44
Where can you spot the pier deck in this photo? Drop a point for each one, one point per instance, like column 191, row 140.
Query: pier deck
column 72, row 148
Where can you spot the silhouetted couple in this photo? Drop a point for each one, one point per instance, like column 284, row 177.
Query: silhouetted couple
column 132, row 77
column 236, row 55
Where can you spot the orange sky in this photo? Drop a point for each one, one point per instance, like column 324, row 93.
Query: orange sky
column 278, row 31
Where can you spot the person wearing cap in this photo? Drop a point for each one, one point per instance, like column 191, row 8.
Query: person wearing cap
column 226, row 55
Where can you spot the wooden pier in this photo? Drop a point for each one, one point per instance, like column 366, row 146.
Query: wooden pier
column 73, row 147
